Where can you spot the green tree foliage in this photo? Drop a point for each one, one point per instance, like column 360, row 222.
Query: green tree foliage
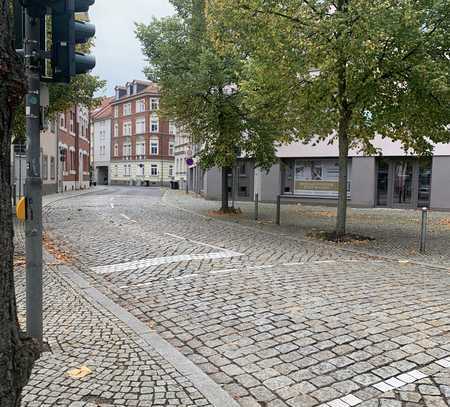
column 345, row 70
column 200, row 89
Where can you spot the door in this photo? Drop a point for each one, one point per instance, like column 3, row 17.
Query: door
column 403, row 173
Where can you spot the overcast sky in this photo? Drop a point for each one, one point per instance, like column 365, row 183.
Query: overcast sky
column 117, row 51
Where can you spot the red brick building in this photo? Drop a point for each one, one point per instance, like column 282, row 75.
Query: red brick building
column 73, row 146
column 142, row 142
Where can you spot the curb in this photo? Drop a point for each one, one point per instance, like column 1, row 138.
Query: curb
column 149, row 340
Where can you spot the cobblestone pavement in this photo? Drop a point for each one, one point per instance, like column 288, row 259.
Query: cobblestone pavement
column 80, row 333
column 396, row 231
column 275, row 321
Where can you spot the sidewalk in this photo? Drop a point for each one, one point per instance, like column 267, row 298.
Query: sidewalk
column 396, row 231
column 86, row 330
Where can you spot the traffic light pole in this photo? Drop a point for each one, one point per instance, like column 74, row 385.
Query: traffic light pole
column 33, row 182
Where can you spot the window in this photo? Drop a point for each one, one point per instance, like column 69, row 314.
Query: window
column 116, row 111
column 62, row 121
column 45, row 167
column 154, row 148
column 116, row 170
column 154, row 170
column 140, row 106
column 52, row 168
column 140, row 148
column 116, row 130
column 127, row 170
column 127, row 109
column 116, row 150
column 127, row 128
column 170, row 170
column 140, row 125
column 154, row 127
column 53, row 126
column 127, row 150
column 140, row 169
column 154, row 104
column 172, row 128
column 71, row 122
column 171, row 149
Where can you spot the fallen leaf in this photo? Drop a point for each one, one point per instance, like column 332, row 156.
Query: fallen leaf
column 79, row 373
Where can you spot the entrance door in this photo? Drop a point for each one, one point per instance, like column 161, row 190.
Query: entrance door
column 403, row 183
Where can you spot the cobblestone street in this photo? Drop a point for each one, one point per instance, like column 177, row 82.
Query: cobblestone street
column 271, row 318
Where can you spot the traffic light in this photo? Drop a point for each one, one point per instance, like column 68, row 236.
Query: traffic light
column 67, row 32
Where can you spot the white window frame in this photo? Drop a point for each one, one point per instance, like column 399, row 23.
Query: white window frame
column 116, row 129
column 170, row 170
column 154, row 173
column 171, row 149
column 154, row 123
column 172, row 128
column 116, row 150
column 154, row 104
column 140, row 125
column 127, row 128
column 140, row 148
column 154, row 143
column 127, row 109
column 140, row 106
column 116, row 111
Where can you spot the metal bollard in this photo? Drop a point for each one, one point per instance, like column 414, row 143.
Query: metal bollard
column 423, row 232
column 278, row 210
column 256, row 206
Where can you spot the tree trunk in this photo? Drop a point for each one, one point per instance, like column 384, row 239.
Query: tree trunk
column 341, row 219
column 17, row 353
column 225, row 207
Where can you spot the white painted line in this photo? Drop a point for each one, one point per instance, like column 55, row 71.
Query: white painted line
column 222, row 271
column 133, row 265
column 112, row 205
column 182, row 277
column 351, row 400
column 382, row 386
column 395, row 383
column 417, row 374
column 405, row 377
column 260, row 267
column 337, row 403
column 124, row 216
column 444, row 362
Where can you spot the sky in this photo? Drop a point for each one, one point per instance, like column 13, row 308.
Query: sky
column 117, row 51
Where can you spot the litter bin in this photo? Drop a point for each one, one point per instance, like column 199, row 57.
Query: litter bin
column 147, row 183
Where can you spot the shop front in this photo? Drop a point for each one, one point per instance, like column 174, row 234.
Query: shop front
column 403, row 182
column 314, row 178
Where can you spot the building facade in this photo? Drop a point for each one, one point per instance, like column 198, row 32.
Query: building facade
column 73, row 147
column 142, row 141
column 182, row 152
column 101, row 133
column 49, row 158
column 310, row 173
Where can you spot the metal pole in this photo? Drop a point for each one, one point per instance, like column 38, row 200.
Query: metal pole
column 33, row 182
column 423, row 232
column 278, row 209
column 256, row 205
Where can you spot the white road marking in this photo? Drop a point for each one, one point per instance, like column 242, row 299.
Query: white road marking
column 182, row 277
column 112, row 205
column 133, row 265
column 222, row 271
column 124, row 216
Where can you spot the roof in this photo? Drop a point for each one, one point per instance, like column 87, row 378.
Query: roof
column 151, row 89
column 104, row 110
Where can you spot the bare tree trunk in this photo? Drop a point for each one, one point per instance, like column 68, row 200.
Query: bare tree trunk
column 341, row 219
column 225, row 207
column 17, row 353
